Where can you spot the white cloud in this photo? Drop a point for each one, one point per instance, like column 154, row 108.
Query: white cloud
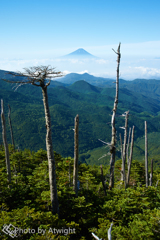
column 19, row 64
column 82, row 72
column 101, row 61
column 140, row 72
column 131, row 66
column 65, row 72
column 82, row 61
column 149, row 71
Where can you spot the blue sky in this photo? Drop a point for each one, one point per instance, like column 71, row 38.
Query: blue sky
column 39, row 32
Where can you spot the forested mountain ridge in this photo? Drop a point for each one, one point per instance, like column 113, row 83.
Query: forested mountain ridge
column 102, row 81
column 93, row 104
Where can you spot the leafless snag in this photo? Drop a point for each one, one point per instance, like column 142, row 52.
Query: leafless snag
column 123, row 177
column 4, row 137
column 151, row 174
column 130, row 159
column 128, row 145
column 75, row 170
column 40, row 76
column 10, row 124
column 113, row 138
column 146, row 154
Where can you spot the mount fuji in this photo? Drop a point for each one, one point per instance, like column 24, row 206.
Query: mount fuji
column 80, row 54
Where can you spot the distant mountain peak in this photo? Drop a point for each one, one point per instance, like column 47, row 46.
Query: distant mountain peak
column 80, row 53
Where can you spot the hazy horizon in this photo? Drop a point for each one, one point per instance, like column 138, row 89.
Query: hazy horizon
column 41, row 32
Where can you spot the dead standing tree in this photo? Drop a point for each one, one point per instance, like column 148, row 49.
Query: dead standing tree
column 151, row 174
column 4, row 136
column 130, row 159
column 75, row 171
column 113, row 138
column 10, row 124
column 123, row 178
column 40, row 76
column 146, row 154
column 128, row 145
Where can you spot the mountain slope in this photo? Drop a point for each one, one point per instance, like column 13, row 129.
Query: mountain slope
column 96, row 81
column 84, row 87
column 94, row 106
column 146, row 87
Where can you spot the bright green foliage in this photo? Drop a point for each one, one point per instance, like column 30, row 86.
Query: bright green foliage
column 135, row 212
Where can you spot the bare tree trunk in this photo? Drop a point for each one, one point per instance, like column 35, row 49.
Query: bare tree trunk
column 102, row 179
column 128, row 145
column 121, row 145
column 39, row 76
column 121, row 154
column 50, row 155
column 109, row 232
column 4, row 136
column 124, row 148
column 130, row 159
column 10, row 124
column 146, row 154
column 113, row 139
column 151, row 174
column 75, row 170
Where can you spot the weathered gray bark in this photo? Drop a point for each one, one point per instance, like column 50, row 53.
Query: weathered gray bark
column 50, row 154
column 102, row 179
column 10, row 124
column 4, row 137
column 146, row 154
column 109, row 232
column 113, row 138
column 121, row 145
column 151, row 174
column 75, row 170
column 121, row 154
column 97, row 238
column 123, row 178
column 128, row 146
column 130, row 158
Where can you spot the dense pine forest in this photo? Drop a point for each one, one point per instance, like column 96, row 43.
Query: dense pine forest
column 109, row 187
